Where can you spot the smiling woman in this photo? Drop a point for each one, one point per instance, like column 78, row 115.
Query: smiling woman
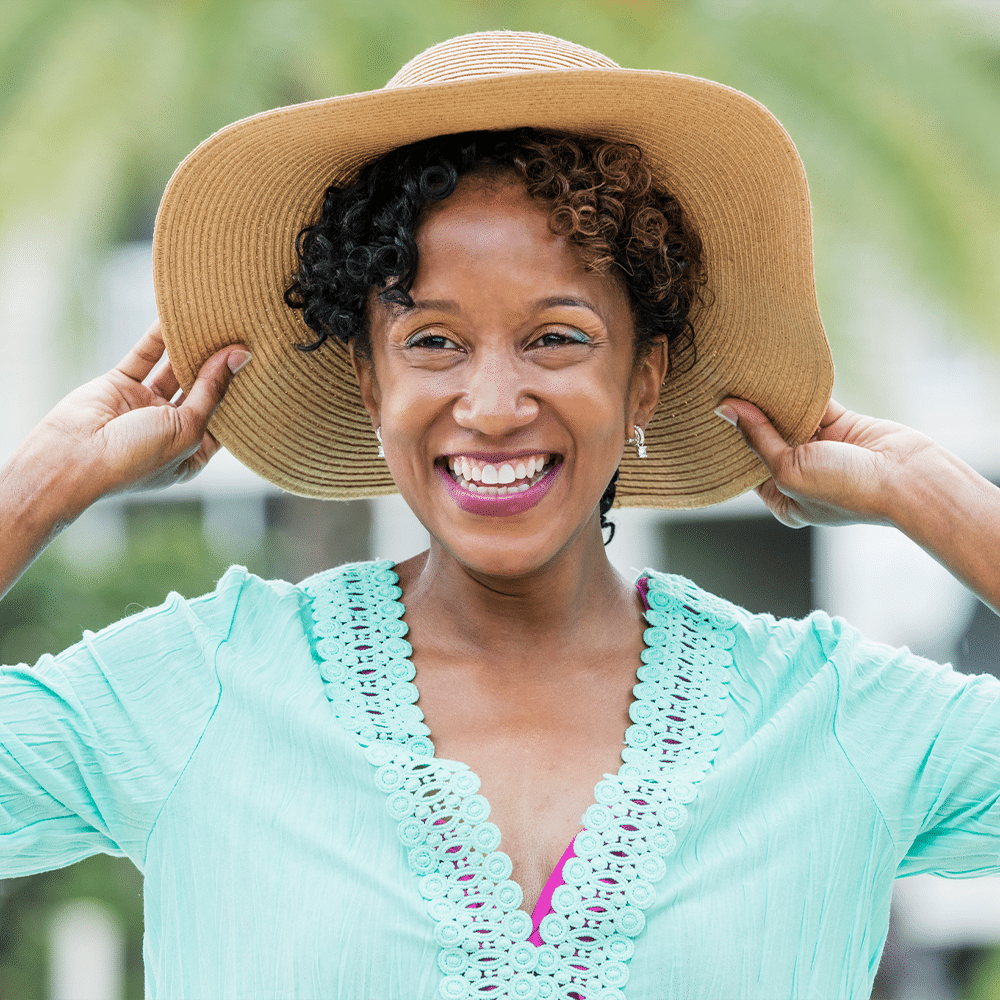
column 499, row 769
column 537, row 215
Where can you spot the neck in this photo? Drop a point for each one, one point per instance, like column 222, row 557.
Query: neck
column 576, row 599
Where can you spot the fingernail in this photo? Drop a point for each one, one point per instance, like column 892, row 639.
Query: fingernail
column 728, row 414
column 237, row 359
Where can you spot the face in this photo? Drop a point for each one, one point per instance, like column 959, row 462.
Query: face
column 505, row 393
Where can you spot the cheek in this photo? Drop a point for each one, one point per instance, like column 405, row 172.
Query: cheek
column 598, row 403
column 597, row 416
column 411, row 407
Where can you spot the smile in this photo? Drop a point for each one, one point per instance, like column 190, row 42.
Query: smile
column 501, row 478
column 499, row 488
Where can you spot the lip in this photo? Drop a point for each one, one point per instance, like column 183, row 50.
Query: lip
column 517, row 503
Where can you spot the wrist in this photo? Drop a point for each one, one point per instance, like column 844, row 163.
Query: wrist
column 40, row 485
column 39, row 496
column 929, row 491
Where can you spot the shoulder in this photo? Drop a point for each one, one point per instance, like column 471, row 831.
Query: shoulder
column 244, row 609
column 240, row 605
column 775, row 658
column 348, row 596
column 367, row 575
column 369, row 583
column 817, row 633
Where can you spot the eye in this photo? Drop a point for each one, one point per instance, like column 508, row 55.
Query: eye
column 559, row 336
column 432, row 341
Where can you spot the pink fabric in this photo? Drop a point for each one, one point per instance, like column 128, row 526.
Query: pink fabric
column 642, row 585
column 544, row 905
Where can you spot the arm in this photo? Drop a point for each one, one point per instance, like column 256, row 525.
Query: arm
column 112, row 435
column 858, row 469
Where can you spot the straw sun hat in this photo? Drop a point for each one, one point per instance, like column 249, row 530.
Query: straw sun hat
column 223, row 256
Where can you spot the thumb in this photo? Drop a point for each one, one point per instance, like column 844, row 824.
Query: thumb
column 213, row 380
column 758, row 432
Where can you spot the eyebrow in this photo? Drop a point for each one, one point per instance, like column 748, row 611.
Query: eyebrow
column 566, row 300
column 437, row 305
column 451, row 306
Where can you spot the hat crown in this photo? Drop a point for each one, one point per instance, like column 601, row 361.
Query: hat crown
column 496, row 53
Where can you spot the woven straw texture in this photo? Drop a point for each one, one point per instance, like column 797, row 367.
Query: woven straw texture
column 223, row 254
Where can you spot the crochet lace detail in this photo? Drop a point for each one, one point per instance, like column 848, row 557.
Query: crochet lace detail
column 443, row 823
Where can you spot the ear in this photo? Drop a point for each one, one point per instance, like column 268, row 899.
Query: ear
column 647, row 378
column 371, row 393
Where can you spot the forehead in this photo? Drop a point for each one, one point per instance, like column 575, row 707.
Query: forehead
column 490, row 228
column 483, row 207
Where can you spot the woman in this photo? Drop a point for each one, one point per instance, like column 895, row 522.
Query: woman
column 322, row 807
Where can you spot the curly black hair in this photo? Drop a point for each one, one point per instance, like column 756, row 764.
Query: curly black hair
column 601, row 195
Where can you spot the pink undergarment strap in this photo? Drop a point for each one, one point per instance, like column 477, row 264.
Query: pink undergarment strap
column 642, row 585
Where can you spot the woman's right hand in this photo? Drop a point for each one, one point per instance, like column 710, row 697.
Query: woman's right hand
column 120, row 432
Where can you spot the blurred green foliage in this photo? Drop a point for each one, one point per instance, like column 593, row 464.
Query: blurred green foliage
column 46, row 611
column 984, row 982
column 893, row 104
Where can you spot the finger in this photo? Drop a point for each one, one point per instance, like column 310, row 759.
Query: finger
column 778, row 504
column 834, row 412
column 142, row 359
column 212, row 382
column 209, row 445
column 770, row 494
column 758, row 432
column 165, row 383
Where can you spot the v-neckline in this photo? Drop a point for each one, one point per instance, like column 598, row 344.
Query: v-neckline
column 547, row 888
column 443, row 823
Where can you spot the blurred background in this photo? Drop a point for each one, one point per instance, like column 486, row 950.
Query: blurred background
column 895, row 108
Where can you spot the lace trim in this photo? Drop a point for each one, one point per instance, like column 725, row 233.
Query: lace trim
column 444, row 826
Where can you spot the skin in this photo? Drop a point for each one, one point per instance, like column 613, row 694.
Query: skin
column 525, row 639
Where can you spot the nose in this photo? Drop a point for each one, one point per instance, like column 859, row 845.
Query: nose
column 497, row 398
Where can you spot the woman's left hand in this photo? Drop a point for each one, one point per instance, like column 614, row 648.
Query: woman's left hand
column 859, row 469
column 847, row 472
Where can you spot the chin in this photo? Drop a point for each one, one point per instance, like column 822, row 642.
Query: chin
column 513, row 551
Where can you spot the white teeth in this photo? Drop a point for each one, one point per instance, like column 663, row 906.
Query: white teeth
column 502, row 479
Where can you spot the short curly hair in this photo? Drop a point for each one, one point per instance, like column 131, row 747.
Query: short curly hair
column 601, row 195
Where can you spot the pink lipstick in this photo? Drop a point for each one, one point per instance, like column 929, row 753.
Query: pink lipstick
column 499, row 506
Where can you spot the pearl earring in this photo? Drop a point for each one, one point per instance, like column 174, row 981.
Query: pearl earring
column 638, row 441
column 381, row 450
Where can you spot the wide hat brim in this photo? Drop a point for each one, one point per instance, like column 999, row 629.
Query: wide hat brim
column 223, row 255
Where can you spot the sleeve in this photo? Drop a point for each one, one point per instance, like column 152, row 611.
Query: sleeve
column 93, row 740
column 925, row 740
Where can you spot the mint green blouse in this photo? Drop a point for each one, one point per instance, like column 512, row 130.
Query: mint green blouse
column 260, row 754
